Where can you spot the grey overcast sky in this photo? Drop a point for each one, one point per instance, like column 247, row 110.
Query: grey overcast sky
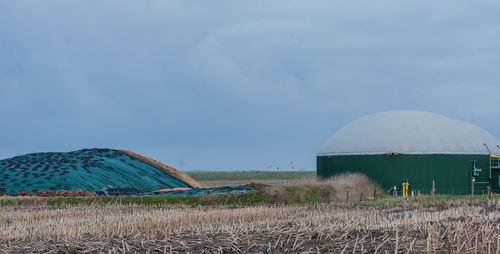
column 232, row 85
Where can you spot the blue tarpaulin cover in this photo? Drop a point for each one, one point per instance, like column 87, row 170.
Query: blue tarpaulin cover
column 88, row 169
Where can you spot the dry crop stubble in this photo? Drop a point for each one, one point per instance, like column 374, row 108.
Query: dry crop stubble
column 459, row 228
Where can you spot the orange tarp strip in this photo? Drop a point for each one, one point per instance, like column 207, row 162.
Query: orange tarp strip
column 169, row 169
column 174, row 189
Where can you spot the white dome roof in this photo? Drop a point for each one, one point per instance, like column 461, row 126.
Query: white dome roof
column 410, row 132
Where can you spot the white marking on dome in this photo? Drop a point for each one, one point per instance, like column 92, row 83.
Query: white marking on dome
column 410, row 132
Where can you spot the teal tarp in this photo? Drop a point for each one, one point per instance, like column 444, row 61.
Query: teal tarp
column 88, row 169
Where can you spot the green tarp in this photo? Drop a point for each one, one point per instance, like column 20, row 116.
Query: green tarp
column 88, row 169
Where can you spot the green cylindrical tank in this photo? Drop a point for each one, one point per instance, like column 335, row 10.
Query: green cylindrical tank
column 422, row 147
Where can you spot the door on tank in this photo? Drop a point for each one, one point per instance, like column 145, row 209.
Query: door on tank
column 495, row 179
column 495, row 174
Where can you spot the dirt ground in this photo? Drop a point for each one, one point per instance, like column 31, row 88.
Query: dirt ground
column 244, row 182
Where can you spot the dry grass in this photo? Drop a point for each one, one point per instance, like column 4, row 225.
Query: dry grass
column 455, row 228
column 345, row 187
column 447, row 227
column 355, row 184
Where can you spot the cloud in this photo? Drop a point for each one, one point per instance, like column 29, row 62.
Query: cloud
column 250, row 81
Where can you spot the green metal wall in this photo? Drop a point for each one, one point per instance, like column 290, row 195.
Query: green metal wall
column 451, row 173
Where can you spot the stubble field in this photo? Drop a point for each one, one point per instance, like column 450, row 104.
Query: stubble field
column 453, row 227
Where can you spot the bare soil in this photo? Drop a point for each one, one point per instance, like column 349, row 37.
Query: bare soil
column 247, row 182
column 257, row 185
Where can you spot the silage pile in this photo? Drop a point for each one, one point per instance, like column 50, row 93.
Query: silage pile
column 91, row 170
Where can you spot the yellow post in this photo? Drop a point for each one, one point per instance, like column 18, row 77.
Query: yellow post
column 405, row 188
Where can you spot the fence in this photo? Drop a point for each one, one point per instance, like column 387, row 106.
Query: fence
column 358, row 196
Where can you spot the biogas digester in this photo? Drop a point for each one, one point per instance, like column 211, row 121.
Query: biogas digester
column 419, row 146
